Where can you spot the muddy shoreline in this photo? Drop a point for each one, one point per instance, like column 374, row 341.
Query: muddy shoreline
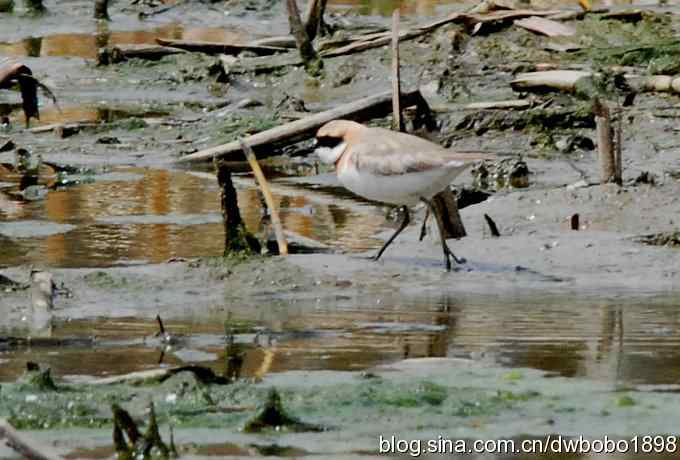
column 543, row 330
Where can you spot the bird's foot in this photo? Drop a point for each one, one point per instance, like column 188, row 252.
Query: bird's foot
column 450, row 255
column 375, row 257
column 459, row 261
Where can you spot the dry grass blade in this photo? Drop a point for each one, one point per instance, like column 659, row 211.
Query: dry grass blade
column 266, row 191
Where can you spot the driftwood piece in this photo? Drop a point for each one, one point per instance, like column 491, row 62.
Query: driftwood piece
column 374, row 42
column 24, row 445
column 501, row 105
column 77, row 126
column 268, row 198
column 120, row 53
column 397, row 123
column 310, row 59
column 217, row 47
column 364, row 109
column 279, row 41
column 605, row 142
column 545, row 26
column 562, row 80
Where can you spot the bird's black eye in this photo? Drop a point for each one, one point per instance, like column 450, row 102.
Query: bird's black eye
column 327, row 141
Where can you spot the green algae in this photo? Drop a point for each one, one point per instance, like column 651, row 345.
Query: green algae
column 325, row 407
column 625, row 401
column 649, row 42
column 184, row 401
column 237, row 126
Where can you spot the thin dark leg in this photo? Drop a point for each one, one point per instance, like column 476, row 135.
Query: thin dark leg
column 404, row 223
column 423, row 229
column 445, row 247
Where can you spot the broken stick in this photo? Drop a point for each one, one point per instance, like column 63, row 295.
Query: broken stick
column 397, row 123
column 120, row 53
column 314, row 24
column 310, row 59
column 364, row 109
column 618, row 148
column 219, row 47
column 605, row 144
column 269, row 199
column 560, row 80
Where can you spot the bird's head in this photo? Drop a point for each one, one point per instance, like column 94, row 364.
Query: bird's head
column 332, row 139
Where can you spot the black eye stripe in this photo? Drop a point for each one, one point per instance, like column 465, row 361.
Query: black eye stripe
column 329, row 142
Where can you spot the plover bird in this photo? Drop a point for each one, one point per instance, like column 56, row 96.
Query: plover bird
column 391, row 167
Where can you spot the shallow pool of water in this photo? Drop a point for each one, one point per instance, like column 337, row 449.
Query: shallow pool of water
column 136, row 215
column 626, row 343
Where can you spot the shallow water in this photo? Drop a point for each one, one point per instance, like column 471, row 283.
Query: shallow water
column 139, row 215
column 626, row 343
column 86, row 45
column 84, row 113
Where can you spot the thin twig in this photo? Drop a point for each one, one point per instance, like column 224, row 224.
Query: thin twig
column 492, row 226
column 618, row 167
column 605, row 148
column 264, row 186
column 397, row 123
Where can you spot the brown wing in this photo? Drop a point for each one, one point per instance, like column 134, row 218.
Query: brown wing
column 384, row 152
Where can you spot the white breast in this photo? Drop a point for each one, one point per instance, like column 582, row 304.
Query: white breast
column 401, row 188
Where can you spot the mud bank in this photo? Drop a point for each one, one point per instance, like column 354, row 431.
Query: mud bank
column 556, row 330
